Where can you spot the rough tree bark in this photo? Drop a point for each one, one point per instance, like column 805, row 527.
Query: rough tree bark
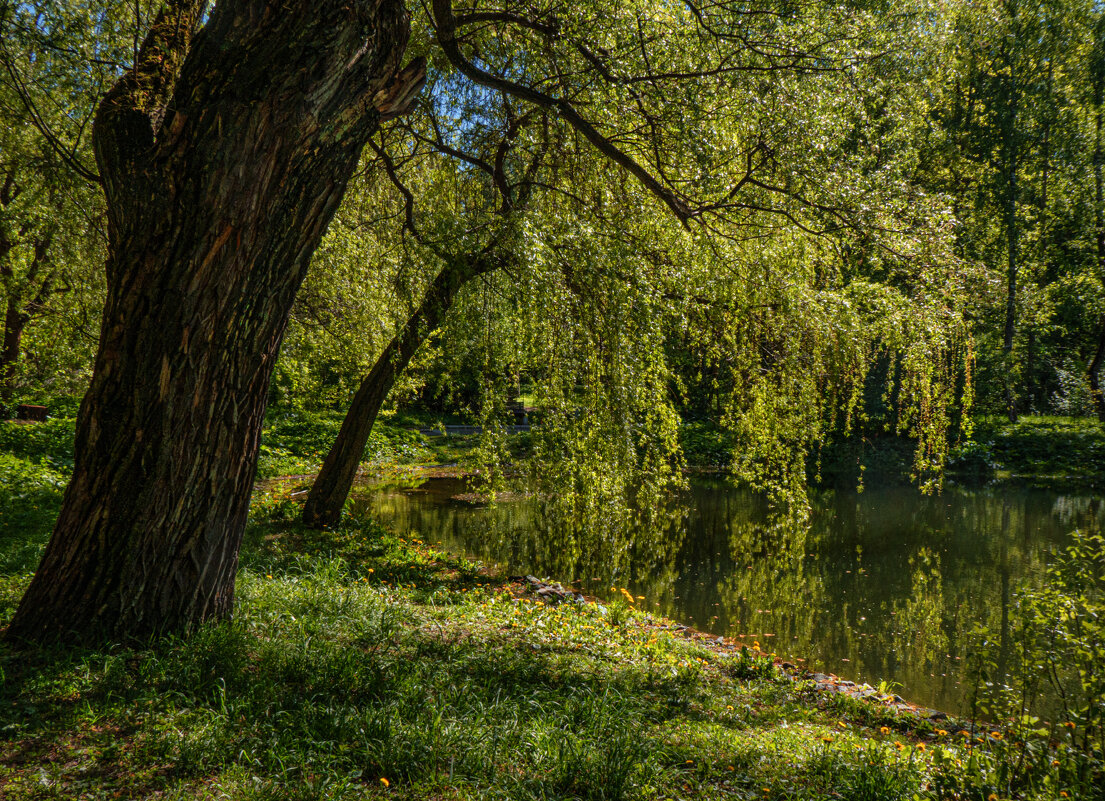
column 335, row 478
column 223, row 154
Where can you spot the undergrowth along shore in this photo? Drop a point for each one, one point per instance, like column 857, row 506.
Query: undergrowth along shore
column 363, row 663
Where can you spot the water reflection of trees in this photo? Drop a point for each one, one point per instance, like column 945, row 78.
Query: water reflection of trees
column 883, row 584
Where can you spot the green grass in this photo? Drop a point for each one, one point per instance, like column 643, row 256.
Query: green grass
column 1034, row 448
column 295, row 442
column 362, row 655
column 362, row 663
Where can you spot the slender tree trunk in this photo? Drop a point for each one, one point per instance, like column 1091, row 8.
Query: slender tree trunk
column 1011, row 155
column 1032, row 383
column 13, row 332
column 335, row 479
column 223, row 155
column 17, row 313
column 1097, row 70
column 1095, row 372
column 14, row 322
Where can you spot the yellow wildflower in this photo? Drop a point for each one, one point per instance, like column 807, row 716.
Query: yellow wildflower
column 884, row 729
column 385, row 782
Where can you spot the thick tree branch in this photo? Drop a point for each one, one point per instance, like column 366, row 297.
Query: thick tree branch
column 446, row 24
column 129, row 117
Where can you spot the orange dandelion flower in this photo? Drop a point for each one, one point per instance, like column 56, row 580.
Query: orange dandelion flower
column 385, row 782
column 884, row 729
column 992, row 797
column 941, row 733
column 921, row 746
column 827, row 739
column 996, row 735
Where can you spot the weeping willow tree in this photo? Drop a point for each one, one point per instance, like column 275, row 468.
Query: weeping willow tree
column 754, row 204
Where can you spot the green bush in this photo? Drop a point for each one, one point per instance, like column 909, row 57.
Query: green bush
column 1056, row 640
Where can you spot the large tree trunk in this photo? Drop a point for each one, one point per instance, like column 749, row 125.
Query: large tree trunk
column 335, row 479
column 223, row 157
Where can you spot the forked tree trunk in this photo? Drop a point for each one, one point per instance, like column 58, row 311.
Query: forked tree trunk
column 335, row 479
column 223, row 158
column 17, row 313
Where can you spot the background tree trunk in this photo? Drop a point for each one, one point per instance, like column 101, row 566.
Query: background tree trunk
column 14, row 322
column 224, row 155
column 1010, row 147
column 335, row 479
column 1097, row 73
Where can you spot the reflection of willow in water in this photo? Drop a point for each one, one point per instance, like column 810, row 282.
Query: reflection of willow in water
column 603, row 548
column 887, row 584
column 545, row 537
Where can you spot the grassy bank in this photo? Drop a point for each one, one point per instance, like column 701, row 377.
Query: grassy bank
column 362, row 663
column 1035, row 448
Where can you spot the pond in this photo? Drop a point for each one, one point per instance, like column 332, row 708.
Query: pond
column 884, row 585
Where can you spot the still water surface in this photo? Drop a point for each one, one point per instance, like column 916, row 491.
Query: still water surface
column 882, row 585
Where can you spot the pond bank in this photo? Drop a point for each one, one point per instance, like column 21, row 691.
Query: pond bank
column 363, row 663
